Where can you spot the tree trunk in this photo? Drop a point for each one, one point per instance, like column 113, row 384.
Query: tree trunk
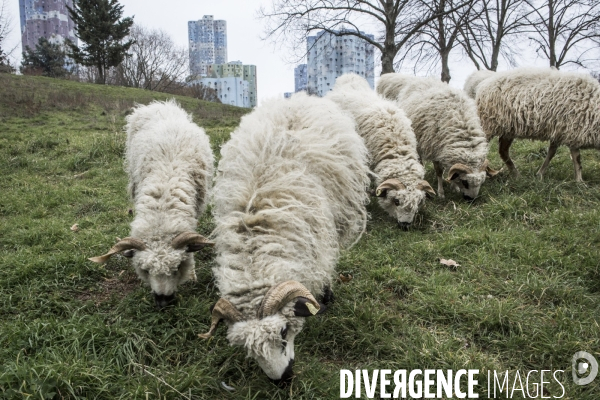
column 445, row 55
column 387, row 62
column 389, row 45
column 551, row 38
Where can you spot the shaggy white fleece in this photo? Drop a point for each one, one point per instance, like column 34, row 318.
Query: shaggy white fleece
column 473, row 81
column 446, row 125
column 391, row 143
column 542, row 104
column 290, row 192
column 170, row 165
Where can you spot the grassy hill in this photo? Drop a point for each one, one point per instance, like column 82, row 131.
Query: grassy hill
column 525, row 296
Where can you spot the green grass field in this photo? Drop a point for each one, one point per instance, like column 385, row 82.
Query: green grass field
column 525, row 296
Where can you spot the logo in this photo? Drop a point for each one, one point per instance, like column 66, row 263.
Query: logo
column 583, row 363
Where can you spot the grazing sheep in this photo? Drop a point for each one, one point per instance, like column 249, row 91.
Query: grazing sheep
column 541, row 104
column 473, row 81
column 290, row 193
column 170, row 164
column 391, row 142
column 447, row 128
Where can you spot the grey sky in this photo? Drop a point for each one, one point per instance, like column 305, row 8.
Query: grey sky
column 243, row 38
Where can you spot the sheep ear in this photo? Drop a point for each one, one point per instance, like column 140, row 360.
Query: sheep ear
column 304, row 308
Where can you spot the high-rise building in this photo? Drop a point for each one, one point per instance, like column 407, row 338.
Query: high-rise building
column 208, row 44
column 235, row 83
column 45, row 18
column 300, row 78
column 331, row 55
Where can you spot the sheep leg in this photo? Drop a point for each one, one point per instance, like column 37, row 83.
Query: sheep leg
column 504, row 147
column 439, row 171
column 576, row 157
column 551, row 152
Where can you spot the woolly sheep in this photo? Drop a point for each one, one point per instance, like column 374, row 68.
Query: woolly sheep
column 399, row 176
column 170, row 165
column 541, row 104
column 447, row 128
column 473, row 81
column 290, row 192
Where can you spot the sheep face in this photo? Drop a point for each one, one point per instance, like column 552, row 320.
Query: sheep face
column 403, row 204
column 163, row 268
column 468, row 184
column 270, row 341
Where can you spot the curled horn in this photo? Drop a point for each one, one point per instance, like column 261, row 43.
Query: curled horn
column 489, row 171
column 192, row 240
column 122, row 245
column 457, row 169
column 223, row 309
column 382, row 189
column 281, row 294
column 426, row 187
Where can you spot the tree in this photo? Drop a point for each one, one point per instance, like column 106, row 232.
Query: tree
column 99, row 26
column 48, row 59
column 397, row 20
column 564, row 27
column 155, row 62
column 5, row 28
column 435, row 40
column 495, row 31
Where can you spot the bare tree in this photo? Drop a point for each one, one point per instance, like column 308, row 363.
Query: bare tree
column 495, row 31
column 397, row 21
column 155, row 63
column 434, row 41
column 5, row 29
column 565, row 30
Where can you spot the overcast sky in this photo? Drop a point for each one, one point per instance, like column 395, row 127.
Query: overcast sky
column 243, row 37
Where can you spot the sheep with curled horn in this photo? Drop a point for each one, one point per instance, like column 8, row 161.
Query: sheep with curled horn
column 398, row 175
column 290, row 193
column 447, row 129
column 170, row 164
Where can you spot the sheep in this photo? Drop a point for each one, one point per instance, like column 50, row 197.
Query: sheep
column 541, row 104
column 473, row 81
column 290, row 193
column 399, row 176
column 170, row 166
column 447, row 129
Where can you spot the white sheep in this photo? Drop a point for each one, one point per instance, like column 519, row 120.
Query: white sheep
column 473, row 81
column 290, row 192
column 170, row 165
column 447, row 128
column 399, row 176
column 541, row 104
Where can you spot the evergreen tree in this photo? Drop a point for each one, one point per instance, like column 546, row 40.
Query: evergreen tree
column 99, row 26
column 48, row 59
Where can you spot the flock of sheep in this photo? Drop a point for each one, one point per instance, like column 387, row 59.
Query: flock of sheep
column 293, row 181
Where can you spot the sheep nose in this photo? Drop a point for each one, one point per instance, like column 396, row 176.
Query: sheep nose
column 404, row 225
column 468, row 198
column 286, row 377
column 162, row 300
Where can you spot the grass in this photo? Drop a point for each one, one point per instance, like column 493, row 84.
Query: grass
column 525, row 296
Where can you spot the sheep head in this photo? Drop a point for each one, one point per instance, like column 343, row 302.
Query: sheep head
column 163, row 265
column 402, row 202
column 269, row 338
column 466, row 180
